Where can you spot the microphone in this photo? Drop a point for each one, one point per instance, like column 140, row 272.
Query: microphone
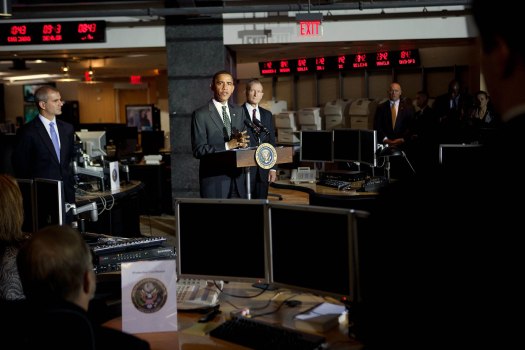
column 250, row 124
column 258, row 123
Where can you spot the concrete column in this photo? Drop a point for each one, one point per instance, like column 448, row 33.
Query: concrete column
column 195, row 51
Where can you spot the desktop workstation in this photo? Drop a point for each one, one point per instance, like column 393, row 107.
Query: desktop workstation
column 344, row 168
column 268, row 276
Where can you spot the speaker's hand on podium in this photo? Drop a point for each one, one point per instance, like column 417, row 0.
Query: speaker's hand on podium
column 239, row 140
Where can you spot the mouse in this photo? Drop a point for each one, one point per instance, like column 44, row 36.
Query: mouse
column 293, row 303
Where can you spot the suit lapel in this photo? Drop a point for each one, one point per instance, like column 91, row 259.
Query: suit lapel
column 215, row 116
column 42, row 132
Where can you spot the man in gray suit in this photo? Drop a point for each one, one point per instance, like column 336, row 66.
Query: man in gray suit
column 216, row 127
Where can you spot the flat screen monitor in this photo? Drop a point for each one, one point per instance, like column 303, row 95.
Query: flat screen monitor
column 316, row 146
column 140, row 116
column 93, row 142
column 28, row 198
column 346, row 145
column 459, row 156
column 355, row 145
column 49, row 202
column 222, row 239
column 314, row 249
column 368, row 147
column 30, row 89
column 30, row 112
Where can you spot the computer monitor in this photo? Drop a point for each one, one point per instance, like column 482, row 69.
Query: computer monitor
column 368, row 147
column 459, row 157
column 140, row 116
column 50, row 203
column 355, row 145
column 314, row 249
column 316, row 146
column 28, row 199
column 93, row 142
column 222, row 239
column 346, row 145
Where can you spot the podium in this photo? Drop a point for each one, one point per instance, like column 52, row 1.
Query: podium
column 245, row 158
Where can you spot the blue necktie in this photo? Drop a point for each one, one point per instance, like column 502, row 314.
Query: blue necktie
column 54, row 138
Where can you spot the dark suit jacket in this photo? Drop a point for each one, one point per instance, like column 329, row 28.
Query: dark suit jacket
column 208, row 136
column 383, row 121
column 60, row 325
column 257, row 174
column 34, row 155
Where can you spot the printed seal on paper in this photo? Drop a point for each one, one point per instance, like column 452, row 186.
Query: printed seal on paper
column 149, row 295
column 266, row 156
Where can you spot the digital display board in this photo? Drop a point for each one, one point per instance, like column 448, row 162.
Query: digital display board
column 65, row 32
column 382, row 59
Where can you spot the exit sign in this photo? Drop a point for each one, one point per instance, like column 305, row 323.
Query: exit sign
column 310, row 24
column 310, row 28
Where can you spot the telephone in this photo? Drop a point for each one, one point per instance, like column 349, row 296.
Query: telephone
column 303, row 174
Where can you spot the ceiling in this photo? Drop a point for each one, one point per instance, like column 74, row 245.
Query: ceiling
column 111, row 64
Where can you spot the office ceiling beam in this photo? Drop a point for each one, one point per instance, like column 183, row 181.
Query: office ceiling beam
column 74, row 11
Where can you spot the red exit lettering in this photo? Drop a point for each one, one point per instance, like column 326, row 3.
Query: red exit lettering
column 309, row 28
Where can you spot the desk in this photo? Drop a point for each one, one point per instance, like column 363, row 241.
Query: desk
column 331, row 197
column 191, row 335
column 123, row 219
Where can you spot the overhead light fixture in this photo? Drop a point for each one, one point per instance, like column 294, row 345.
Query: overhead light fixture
column 88, row 75
column 65, row 68
column 30, row 77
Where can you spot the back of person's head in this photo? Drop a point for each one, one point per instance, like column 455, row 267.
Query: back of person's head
column 54, row 265
column 499, row 22
column 12, row 212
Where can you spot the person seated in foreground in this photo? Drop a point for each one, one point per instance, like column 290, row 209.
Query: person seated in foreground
column 58, row 279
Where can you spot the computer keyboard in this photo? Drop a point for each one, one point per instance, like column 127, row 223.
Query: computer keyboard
column 262, row 336
column 196, row 294
column 120, row 244
column 339, row 184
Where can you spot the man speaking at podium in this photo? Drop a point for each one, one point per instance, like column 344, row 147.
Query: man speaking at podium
column 260, row 178
column 219, row 126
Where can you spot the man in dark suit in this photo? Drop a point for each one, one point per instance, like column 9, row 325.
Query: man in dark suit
column 452, row 109
column 423, row 143
column 259, row 178
column 35, row 155
column 215, row 127
column 392, row 120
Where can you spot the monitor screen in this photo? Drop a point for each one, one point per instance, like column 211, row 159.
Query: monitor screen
column 140, row 116
column 50, row 205
column 314, row 249
column 30, row 112
column 368, row 147
column 346, row 145
column 30, row 89
column 459, row 157
column 93, row 142
column 28, row 197
column 316, row 146
column 228, row 242
column 355, row 145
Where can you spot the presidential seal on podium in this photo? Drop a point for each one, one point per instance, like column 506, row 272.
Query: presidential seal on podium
column 266, row 156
